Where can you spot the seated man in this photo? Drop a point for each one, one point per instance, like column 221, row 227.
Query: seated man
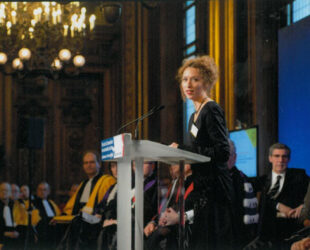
column 24, row 192
column 91, row 190
column 107, row 239
column 9, row 236
column 165, row 230
column 19, row 211
column 246, row 204
column 283, row 192
column 47, row 234
column 82, row 234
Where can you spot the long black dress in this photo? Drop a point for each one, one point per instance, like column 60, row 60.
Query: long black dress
column 213, row 210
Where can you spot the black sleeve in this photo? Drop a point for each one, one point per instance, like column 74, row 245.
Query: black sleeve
column 217, row 131
column 258, row 183
column 216, row 135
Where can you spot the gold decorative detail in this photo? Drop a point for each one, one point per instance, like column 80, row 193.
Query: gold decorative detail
column 43, row 36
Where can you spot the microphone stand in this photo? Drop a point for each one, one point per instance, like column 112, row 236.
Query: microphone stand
column 151, row 112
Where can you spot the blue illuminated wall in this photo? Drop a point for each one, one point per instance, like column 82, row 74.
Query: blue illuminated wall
column 294, row 91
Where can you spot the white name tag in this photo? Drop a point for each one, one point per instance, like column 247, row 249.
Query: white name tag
column 194, row 130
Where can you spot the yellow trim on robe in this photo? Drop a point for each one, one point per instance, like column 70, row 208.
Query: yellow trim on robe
column 101, row 187
column 20, row 214
column 56, row 208
column 70, row 204
column 35, row 215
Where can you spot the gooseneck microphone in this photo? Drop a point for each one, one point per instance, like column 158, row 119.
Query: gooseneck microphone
column 151, row 112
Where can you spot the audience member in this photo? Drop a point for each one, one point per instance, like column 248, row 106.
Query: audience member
column 47, row 234
column 15, row 192
column 283, row 192
column 91, row 190
column 74, row 187
column 163, row 233
column 107, row 239
column 246, row 204
column 19, row 212
column 24, row 192
column 83, row 203
column 9, row 236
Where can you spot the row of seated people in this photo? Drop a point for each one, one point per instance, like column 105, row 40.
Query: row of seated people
column 15, row 231
column 161, row 227
column 276, row 222
column 93, row 209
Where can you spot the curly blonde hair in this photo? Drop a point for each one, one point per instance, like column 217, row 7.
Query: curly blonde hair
column 207, row 68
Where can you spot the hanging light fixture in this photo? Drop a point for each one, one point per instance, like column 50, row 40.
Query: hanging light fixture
column 79, row 61
column 57, row 64
column 3, row 58
column 44, row 35
column 64, row 55
column 24, row 54
column 17, row 64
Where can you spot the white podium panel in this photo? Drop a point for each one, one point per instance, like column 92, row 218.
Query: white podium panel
column 123, row 149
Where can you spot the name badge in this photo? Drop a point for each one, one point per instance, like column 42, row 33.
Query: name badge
column 194, row 130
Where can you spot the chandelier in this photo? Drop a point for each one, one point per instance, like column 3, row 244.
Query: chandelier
column 43, row 37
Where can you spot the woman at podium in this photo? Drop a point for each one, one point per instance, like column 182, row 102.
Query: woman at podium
column 208, row 136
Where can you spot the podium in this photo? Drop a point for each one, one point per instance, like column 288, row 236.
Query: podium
column 122, row 149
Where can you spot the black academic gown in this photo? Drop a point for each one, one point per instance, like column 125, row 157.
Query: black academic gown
column 77, row 204
column 244, row 233
column 107, row 238
column 48, row 237
column 169, row 235
column 8, row 243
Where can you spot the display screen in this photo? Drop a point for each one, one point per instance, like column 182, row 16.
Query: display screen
column 246, row 149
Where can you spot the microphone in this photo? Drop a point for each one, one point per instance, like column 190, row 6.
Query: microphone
column 151, row 112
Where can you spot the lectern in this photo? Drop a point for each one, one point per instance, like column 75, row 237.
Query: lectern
column 123, row 150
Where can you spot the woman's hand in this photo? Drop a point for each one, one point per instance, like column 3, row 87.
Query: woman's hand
column 174, row 145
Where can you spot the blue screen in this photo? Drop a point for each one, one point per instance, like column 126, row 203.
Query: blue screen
column 294, row 91
column 246, row 148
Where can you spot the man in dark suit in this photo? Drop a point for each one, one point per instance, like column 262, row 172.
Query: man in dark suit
column 283, row 191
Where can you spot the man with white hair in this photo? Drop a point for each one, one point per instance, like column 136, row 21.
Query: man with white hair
column 8, row 233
